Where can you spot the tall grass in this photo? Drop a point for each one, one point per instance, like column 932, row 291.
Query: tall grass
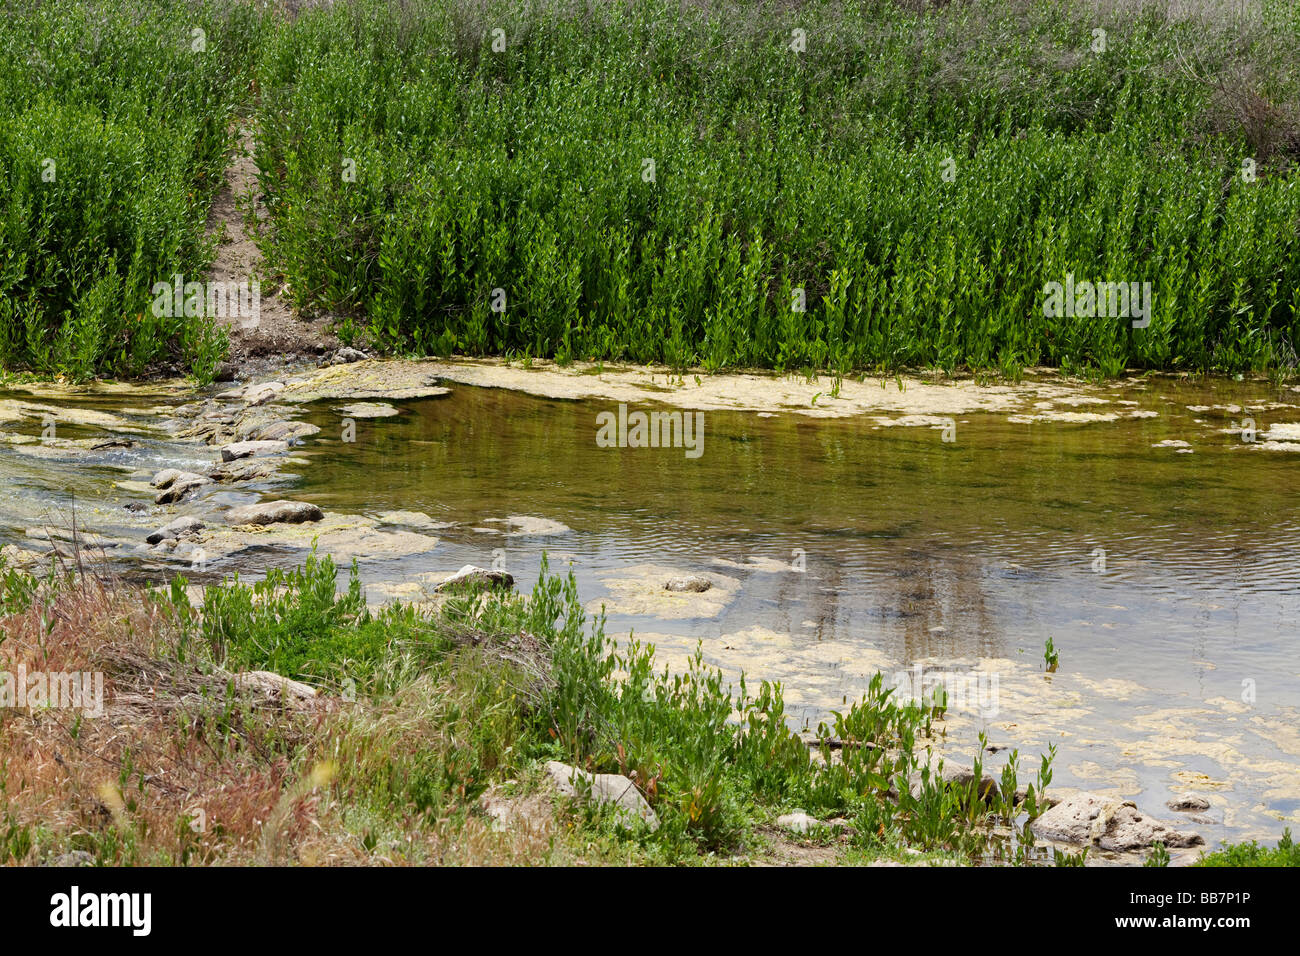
column 919, row 173
column 113, row 136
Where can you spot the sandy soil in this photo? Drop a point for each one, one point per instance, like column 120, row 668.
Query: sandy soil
column 280, row 335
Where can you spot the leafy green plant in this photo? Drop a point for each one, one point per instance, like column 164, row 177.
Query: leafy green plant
column 1286, row 853
column 1159, row 855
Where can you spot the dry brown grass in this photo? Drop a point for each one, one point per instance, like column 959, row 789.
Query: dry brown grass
column 182, row 767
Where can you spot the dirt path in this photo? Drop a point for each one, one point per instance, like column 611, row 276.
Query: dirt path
column 279, row 336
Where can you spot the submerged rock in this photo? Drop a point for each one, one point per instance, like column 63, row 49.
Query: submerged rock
column 522, row 525
column 182, row 525
column 470, row 574
column 367, row 410
column 273, row 512
column 689, row 582
column 607, row 789
column 1086, row 819
column 639, row 590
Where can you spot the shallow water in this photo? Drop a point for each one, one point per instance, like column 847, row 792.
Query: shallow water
column 855, row 547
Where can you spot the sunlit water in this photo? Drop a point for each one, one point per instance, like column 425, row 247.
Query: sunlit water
column 860, row 548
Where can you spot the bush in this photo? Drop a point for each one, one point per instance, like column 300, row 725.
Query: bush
column 914, row 177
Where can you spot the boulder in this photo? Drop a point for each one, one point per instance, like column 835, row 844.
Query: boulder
column 165, row 477
column 958, row 775
column 1086, row 819
column 246, row 469
column 252, row 449
column 607, row 789
column 273, row 512
column 182, row 525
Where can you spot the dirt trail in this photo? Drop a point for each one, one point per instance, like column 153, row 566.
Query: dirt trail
column 279, row 335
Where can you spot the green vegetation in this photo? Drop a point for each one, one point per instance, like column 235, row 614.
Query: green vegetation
column 649, row 181
column 113, row 137
column 431, row 711
column 1286, row 853
column 918, row 172
column 429, row 715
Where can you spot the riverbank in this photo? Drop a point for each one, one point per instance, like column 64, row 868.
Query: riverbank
column 285, row 723
column 239, row 493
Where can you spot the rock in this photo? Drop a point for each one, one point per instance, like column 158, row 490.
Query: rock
column 112, row 443
column 958, row 775
column 689, row 582
column 470, row 574
column 252, row 449
column 15, row 557
column 167, row 476
column 246, row 469
column 367, row 410
column 182, row 525
column 261, row 394
column 1042, row 799
column 798, row 821
column 73, row 858
column 274, row 687
column 273, row 512
column 519, row 525
column 1085, row 819
column 344, row 356
column 610, row 789
column 225, row 372
column 1188, row 803
column 284, row 431
column 178, row 485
